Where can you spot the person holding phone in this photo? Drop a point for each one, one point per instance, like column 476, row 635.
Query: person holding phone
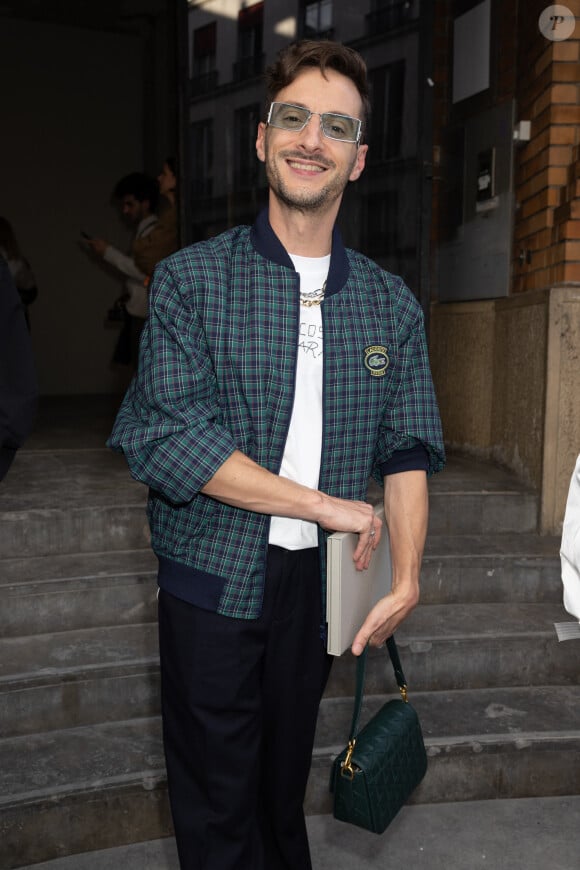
column 19, row 267
column 137, row 195
column 18, row 386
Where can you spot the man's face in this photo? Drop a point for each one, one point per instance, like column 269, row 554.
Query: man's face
column 134, row 210
column 307, row 170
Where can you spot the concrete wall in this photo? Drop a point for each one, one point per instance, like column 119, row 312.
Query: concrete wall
column 519, row 384
column 506, row 373
column 462, row 343
column 562, row 421
column 72, row 111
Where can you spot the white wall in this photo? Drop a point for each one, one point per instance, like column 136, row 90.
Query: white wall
column 71, row 126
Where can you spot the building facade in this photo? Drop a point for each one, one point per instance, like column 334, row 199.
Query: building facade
column 505, row 320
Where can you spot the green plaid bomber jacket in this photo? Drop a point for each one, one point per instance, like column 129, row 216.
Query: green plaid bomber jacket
column 216, row 373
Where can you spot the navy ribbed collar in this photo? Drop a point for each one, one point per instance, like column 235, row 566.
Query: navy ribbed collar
column 267, row 243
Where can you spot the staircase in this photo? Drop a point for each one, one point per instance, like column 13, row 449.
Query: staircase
column 81, row 760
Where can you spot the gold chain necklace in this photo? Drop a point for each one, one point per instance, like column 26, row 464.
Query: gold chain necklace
column 315, row 297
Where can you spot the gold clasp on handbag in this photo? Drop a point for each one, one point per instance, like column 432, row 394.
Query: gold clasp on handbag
column 403, row 691
column 346, row 768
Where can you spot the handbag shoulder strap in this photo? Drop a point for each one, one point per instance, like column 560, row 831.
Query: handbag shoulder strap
column 397, row 666
column 360, row 681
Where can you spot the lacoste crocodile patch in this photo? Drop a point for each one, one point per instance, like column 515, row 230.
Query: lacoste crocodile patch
column 376, row 360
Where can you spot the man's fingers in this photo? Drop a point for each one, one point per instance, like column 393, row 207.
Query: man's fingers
column 377, row 627
column 368, row 541
column 359, row 644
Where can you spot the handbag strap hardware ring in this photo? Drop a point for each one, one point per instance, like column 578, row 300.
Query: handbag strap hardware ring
column 346, row 768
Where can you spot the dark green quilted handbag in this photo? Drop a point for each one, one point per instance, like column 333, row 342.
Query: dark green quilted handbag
column 382, row 765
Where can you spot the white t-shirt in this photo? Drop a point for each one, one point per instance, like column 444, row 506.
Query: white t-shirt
column 301, row 460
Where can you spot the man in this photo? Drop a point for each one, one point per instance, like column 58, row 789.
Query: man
column 254, row 450
column 18, row 388
column 137, row 195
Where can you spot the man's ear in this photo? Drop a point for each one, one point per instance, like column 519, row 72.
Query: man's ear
column 359, row 164
column 260, row 142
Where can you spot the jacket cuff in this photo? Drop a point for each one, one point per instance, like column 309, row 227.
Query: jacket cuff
column 413, row 459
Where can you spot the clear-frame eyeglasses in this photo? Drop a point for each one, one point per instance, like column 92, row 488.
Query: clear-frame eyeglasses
column 287, row 116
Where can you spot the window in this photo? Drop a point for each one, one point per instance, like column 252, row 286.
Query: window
column 201, row 158
column 204, row 76
column 387, row 85
column 317, row 19
column 250, row 60
column 246, row 165
column 386, row 15
column 383, row 217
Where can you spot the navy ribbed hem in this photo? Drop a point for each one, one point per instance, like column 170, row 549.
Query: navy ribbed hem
column 196, row 587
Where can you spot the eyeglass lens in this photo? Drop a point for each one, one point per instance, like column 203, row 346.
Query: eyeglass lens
column 334, row 126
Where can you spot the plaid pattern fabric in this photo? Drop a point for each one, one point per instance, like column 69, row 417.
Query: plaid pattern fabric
column 216, row 373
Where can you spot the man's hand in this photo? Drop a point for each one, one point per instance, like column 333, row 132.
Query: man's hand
column 340, row 515
column 406, row 513
column 99, row 246
column 383, row 619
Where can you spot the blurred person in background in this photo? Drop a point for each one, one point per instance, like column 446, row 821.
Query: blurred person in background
column 18, row 388
column 137, row 195
column 19, row 267
column 164, row 237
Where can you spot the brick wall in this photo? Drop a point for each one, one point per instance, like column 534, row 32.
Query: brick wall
column 547, row 170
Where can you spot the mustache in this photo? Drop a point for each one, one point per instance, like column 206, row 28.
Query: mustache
column 299, row 155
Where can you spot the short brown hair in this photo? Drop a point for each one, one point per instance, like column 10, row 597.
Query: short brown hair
column 323, row 55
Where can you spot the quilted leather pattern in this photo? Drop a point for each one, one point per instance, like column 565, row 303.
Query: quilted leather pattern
column 389, row 760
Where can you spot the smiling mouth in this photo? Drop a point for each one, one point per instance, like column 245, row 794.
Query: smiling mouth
column 306, row 167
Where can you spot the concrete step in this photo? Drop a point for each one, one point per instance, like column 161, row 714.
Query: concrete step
column 72, row 678
column 482, row 512
column 57, row 593
column 70, row 501
column 491, row 568
column 77, row 789
column 93, row 787
column 476, row 835
column 479, row 497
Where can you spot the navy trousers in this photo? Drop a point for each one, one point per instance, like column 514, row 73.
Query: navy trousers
column 240, row 701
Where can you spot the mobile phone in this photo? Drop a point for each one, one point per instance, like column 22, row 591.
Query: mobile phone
column 86, row 236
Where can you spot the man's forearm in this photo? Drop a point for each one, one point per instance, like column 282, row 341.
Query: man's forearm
column 243, row 483
column 406, row 513
column 123, row 263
